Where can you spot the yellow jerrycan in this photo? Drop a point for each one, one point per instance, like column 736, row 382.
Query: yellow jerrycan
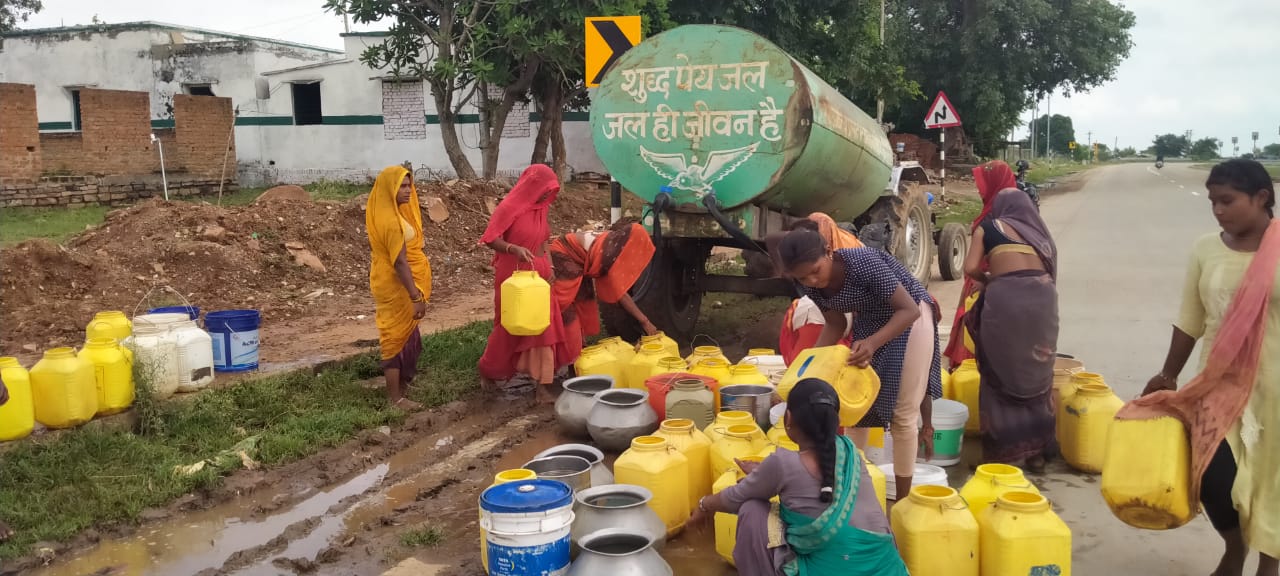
column 1063, row 394
column 936, row 534
column 598, row 361
column 526, row 304
column 778, row 439
column 1146, row 473
column 1087, row 421
column 18, row 415
column 696, row 448
column 704, row 352
column 878, row 480
column 738, row 441
column 669, row 346
column 729, row 418
column 1064, row 370
column 747, row 374
column 726, row 525
column 109, row 324
column 654, row 463
column 965, row 384
column 948, row 392
column 63, row 389
column 622, row 350
column 968, row 338
column 989, row 482
column 712, row 368
column 1020, row 534
column 857, row 387
column 669, row 365
column 513, row 475
column 112, row 374
column 643, row 365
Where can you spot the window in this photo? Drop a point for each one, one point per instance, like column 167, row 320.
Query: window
column 306, row 104
column 75, row 110
column 199, row 89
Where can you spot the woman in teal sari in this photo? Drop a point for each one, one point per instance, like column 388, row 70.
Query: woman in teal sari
column 828, row 522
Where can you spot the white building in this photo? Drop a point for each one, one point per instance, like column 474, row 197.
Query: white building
column 161, row 59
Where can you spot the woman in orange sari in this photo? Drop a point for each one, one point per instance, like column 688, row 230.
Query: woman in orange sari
column 518, row 233
column 590, row 267
column 399, row 277
column 803, row 321
column 991, row 178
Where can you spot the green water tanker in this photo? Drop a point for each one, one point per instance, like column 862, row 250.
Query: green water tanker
column 727, row 139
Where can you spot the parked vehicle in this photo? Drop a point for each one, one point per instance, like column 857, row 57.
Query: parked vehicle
column 1023, row 185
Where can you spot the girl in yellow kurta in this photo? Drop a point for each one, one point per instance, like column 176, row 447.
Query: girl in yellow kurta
column 1240, row 484
column 399, row 277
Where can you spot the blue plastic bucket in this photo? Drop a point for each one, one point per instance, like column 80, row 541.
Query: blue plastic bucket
column 235, row 339
column 527, row 527
column 192, row 311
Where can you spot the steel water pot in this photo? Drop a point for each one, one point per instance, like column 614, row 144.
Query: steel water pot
column 618, row 552
column 619, row 416
column 600, row 474
column 573, row 406
column 622, row 506
column 572, row 470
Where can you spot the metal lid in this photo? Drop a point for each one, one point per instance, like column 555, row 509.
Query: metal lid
column 526, row 496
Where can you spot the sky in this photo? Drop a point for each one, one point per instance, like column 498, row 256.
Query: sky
column 1212, row 67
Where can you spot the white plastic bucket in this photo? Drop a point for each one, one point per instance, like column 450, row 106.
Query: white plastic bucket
column 527, row 525
column 949, row 417
column 766, row 364
column 195, row 356
column 925, row 475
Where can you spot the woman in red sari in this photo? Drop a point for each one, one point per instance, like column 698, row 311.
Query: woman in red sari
column 590, row 267
column 518, row 233
column 991, row 178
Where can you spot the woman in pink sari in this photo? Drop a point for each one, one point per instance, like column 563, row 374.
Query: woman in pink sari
column 518, row 233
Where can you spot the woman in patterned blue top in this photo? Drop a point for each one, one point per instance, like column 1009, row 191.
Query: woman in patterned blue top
column 894, row 330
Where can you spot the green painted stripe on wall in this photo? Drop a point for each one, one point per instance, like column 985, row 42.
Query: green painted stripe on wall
column 162, row 123
column 55, row 126
column 264, row 121
column 352, row 120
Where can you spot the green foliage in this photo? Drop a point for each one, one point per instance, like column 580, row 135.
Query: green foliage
column 1170, row 145
column 422, row 537
column 1126, row 152
column 14, row 11
column 1205, row 149
column 1271, row 150
column 1059, row 132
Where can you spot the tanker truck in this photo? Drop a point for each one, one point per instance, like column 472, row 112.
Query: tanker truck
column 727, row 139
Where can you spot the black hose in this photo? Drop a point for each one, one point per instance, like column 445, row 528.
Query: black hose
column 661, row 203
column 745, row 242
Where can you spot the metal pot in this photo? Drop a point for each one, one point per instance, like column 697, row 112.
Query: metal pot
column 600, row 474
column 618, row 552
column 620, row 506
column 753, row 399
column 575, row 403
column 620, row 415
column 574, row 471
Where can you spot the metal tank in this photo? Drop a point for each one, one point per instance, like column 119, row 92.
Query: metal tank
column 706, row 109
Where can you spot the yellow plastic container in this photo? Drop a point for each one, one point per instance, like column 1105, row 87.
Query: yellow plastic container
column 857, row 387
column 654, row 463
column 109, row 324
column 729, row 418
column 1145, row 476
column 878, row 481
column 112, row 374
column 739, row 441
column 513, row 475
column 965, row 383
column 669, row 346
column 778, row 438
column 968, row 305
column 18, row 415
column 704, row 352
column 1020, row 534
column 599, row 361
column 690, row 399
column 643, row 365
column 63, row 389
column 671, row 365
column 696, row 447
column 1063, row 394
column 1064, row 370
column 948, row 391
column 622, row 350
column 526, row 304
column 762, row 352
column 1086, row 423
column 936, row 534
column 746, row 374
column 989, row 482
column 778, row 434
column 712, row 368
column 726, row 525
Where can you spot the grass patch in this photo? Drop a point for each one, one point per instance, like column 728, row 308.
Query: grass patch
column 56, row 487
column 19, row 224
column 958, row 208
column 1042, row 172
column 56, row 224
column 422, row 537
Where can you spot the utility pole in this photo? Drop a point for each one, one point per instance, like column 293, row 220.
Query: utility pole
column 1094, row 152
column 880, row 96
column 1048, row 126
column 346, row 24
column 1035, row 116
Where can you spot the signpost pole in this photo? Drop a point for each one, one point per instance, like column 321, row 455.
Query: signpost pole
column 942, row 140
column 615, row 200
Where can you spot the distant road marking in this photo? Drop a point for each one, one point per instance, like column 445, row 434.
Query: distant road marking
column 1194, row 193
column 1153, row 171
column 1182, row 187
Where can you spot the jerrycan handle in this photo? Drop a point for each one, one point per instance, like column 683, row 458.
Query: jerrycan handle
column 162, row 288
column 693, row 342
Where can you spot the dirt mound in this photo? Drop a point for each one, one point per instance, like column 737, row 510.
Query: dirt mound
column 236, row 257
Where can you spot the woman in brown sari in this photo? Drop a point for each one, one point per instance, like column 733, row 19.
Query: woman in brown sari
column 1015, row 328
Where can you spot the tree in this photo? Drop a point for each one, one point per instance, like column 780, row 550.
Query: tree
column 994, row 58
column 1271, row 150
column 1170, row 145
column 1126, row 152
column 1060, row 134
column 1205, row 149
column 14, row 11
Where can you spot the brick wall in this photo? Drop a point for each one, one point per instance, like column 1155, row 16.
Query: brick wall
column 202, row 126
column 116, row 128
column 517, row 125
column 104, row 190
column 20, row 155
column 404, row 115
column 918, row 149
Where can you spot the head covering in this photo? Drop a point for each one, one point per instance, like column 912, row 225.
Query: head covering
column 991, row 178
column 605, row 271
column 386, row 222
column 383, row 215
column 524, row 197
column 837, row 238
column 1014, row 208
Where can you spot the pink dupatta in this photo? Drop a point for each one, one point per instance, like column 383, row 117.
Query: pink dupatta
column 1214, row 400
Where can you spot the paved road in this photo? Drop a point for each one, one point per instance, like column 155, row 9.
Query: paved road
column 1124, row 240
